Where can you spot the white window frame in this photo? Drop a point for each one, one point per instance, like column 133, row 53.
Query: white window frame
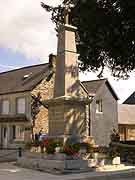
column 19, row 131
column 5, row 109
column 21, row 105
column 99, row 106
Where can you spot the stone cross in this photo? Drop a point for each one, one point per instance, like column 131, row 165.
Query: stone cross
column 67, row 11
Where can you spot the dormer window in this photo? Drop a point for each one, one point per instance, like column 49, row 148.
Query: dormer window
column 26, row 76
column 20, row 105
column 5, row 107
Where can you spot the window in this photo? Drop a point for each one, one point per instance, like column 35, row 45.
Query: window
column 14, row 131
column 99, row 106
column 20, row 105
column 5, row 132
column 19, row 133
column 5, row 107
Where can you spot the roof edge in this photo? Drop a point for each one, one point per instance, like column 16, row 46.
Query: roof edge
column 95, row 80
column 112, row 90
column 24, row 67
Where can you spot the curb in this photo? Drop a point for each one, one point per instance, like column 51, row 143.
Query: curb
column 107, row 176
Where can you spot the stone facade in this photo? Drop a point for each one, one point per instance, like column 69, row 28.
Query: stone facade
column 45, row 88
column 103, row 122
column 69, row 116
column 23, row 127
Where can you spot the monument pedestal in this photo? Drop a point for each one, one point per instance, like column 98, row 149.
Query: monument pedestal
column 67, row 117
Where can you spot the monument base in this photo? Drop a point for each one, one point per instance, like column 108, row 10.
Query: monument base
column 67, row 117
column 54, row 164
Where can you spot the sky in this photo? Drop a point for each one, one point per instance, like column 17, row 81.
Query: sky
column 27, row 37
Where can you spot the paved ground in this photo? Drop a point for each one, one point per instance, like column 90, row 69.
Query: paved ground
column 10, row 172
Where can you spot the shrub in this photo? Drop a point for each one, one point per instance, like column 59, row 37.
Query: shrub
column 87, row 146
column 115, row 137
column 36, row 143
column 50, row 145
column 31, row 144
column 114, row 151
column 71, row 149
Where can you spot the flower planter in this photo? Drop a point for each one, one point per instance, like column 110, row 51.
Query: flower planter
column 116, row 161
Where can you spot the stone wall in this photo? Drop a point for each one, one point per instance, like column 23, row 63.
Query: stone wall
column 69, row 117
column 103, row 122
column 45, row 88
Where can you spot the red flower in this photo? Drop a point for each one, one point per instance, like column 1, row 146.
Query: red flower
column 68, row 151
column 46, row 142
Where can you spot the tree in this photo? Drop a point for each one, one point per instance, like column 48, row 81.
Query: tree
column 35, row 108
column 105, row 35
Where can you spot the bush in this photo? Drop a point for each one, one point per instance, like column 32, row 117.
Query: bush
column 50, row 145
column 31, row 144
column 115, row 137
column 71, row 149
column 114, row 151
column 87, row 146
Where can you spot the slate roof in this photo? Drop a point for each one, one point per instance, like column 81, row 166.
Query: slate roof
column 93, row 86
column 126, row 114
column 130, row 99
column 26, row 78
column 23, row 79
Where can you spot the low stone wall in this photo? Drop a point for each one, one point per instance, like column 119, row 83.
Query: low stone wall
column 7, row 155
column 127, row 152
column 52, row 163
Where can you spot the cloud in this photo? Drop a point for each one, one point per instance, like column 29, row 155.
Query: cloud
column 26, row 27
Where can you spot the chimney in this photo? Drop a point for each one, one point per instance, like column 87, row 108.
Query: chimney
column 52, row 61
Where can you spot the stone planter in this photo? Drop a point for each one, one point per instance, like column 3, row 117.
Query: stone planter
column 45, row 164
column 116, row 161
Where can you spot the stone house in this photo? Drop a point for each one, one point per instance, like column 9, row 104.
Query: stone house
column 126, row 120
column 20, row 86
column 103, row 110
column 17, row 89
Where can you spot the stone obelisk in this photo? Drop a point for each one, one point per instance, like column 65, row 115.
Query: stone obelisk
column 67, row 108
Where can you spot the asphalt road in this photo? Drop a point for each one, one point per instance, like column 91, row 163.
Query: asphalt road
column 8, row 171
